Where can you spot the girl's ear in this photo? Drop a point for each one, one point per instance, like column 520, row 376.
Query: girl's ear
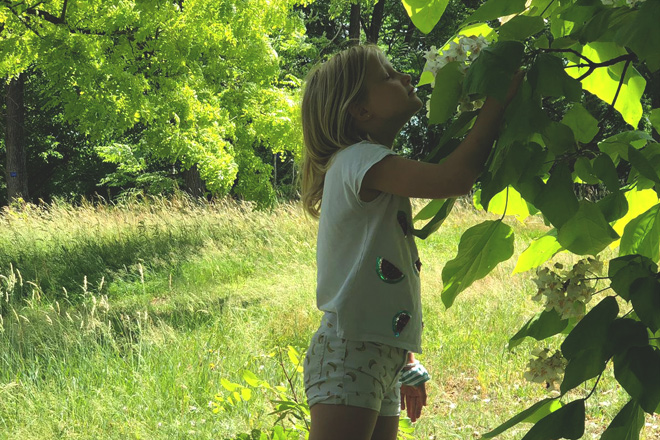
column 359, row 112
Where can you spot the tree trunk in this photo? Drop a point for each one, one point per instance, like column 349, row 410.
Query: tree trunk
column 193, row 183
column 376, row 22
column 354, row 26
column 16, row 171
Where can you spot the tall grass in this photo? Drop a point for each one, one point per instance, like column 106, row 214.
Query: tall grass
column 124, row 321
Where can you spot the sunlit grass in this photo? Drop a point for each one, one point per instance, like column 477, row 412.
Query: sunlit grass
column 121, row 322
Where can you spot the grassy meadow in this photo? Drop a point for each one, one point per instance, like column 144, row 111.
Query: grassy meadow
column 138, row 321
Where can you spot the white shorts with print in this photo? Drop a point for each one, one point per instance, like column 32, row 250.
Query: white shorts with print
column 343, row 372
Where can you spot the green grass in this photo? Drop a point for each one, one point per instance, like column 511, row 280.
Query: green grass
column 122, row 321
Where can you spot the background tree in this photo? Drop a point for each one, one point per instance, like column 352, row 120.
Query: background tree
column 190, row 84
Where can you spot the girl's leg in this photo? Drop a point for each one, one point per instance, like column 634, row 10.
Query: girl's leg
column 333, row 422
column 386, row 428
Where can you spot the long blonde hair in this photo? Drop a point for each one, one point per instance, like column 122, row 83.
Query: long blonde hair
column 327, row 124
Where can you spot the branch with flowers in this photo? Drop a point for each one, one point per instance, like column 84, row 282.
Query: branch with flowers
column 549, row 145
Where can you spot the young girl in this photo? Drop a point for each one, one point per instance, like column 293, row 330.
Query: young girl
column 368, row 284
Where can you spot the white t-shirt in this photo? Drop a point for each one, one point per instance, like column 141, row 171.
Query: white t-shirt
column 368, row 265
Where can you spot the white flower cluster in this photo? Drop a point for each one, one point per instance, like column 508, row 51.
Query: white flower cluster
column 568, row 292
column 545, row 369
column 465, row 51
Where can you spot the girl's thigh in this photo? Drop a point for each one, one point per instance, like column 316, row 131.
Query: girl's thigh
column 387, row 428
column 332, row 422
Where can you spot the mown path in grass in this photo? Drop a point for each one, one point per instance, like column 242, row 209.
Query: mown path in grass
column 133, row 321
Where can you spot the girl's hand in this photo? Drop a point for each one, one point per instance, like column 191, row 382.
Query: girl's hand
column 412, row 400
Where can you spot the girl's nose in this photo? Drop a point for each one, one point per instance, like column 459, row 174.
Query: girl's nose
column 406, row 79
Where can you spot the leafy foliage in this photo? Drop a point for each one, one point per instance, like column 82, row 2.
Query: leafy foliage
column 193, row 84
column 554, row 140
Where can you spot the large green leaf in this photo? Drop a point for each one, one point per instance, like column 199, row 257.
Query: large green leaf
column 448, row 142
column 641, row 163
column 559, row 138
column 642, row 235
column 538, row 252
column 604, row 82
column 543, row 406
column 481, row 248
column 597, row 25
column 520, row 27
column 437, row 220
column 566, row 422
column 543, row 325
column 524, row 117
column 627, row 424
column 444, row 99
column 617, row 146
column 491, row 73
column 637, row 372
column 613, row 206
column 582, row 11
column 509, row 164
column 591, row 331
column 638, row 202
column 624, row 333
column 425, row 14
column 548, row 77
column 587, row 232
column 493, row 9
column 584, row 366
column 645, row 298
column 584, row 170
column 642, row 36
column 624, row 270
column 606, row 171
column 509, row 202
column 654, row 118
column 430, row 210
column 557, row 200
column 584, row 125
column 587, row 346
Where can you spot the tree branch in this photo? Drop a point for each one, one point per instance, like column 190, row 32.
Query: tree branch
column 63, row 14
column 623, row 76
column 591, row 64
column 546, row 8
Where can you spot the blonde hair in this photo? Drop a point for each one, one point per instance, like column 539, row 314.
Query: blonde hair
column 327, row 124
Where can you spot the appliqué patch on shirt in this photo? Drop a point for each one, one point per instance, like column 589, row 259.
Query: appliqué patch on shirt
column 388, row 272
column 418, row 265
column 399, row 322
column 402, row 218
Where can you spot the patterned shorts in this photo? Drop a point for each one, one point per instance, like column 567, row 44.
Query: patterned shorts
column 343, row 372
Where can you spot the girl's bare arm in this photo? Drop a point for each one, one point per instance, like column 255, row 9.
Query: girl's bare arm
column 456, row 174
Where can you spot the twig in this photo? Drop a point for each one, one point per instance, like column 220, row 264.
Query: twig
column 602, row 290
column 591, row 64
column 546, row 8
column 63, row 14
column 506, row 203
column 623, row 76
column 595, row 385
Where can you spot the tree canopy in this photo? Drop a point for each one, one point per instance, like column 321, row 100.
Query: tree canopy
column 191, row 83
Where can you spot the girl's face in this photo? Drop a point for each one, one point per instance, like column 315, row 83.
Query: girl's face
column 390, row 95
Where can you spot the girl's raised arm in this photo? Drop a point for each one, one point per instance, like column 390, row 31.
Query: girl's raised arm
column 456, row 174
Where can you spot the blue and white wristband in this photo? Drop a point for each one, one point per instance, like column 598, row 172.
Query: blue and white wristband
column 414, row 374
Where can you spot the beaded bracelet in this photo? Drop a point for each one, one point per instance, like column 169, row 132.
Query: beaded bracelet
column 414, row 374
